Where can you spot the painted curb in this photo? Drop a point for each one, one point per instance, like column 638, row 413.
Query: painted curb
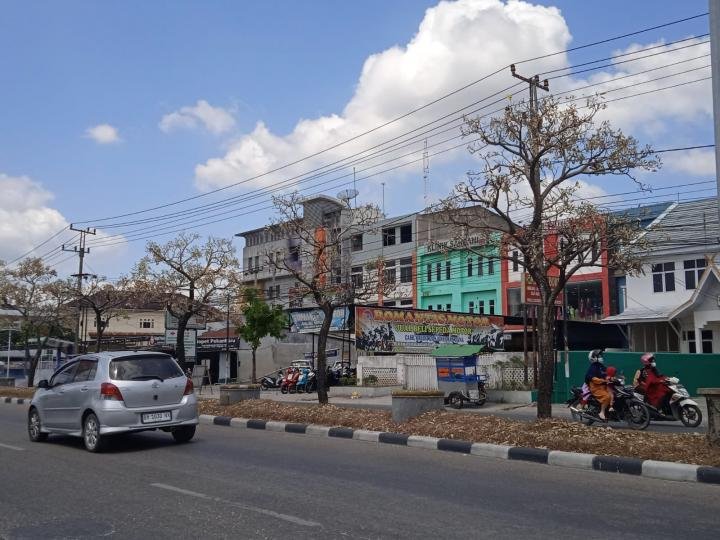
column 663, row 470
column 15, row 400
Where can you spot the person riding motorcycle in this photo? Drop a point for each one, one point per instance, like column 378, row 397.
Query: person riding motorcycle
column 650, row 382
column 596, row 379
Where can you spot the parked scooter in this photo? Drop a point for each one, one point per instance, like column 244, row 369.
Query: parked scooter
column 302, row 381
column 271, row 381
column 289, row 382
column 677, row 405
column 311, row 384
column 628, row 407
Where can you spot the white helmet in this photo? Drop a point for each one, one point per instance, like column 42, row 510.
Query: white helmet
column 596, row 355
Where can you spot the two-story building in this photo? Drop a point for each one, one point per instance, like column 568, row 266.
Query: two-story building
column 675, row 304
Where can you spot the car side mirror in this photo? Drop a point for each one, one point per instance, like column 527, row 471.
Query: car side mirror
column 43, row 384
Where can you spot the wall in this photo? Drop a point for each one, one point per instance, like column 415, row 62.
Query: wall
column 129, row 323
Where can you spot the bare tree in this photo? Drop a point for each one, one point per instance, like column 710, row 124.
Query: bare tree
column 106, row 301
column 185, row 275
column 320, row 262
column 42, row 301
column 532, row 162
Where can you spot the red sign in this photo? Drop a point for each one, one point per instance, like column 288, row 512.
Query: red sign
column 530, row 292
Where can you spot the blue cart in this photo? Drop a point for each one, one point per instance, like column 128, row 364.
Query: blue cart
column 458, row 376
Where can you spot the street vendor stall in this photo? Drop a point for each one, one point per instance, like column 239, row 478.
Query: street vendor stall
column 458, row 376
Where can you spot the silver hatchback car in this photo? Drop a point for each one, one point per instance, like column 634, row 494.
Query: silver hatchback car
column 114, row 392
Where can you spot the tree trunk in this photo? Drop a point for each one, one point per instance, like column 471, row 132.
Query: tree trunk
column 546, row 351
column 180, row 340
column 254, row 371
column 34, row 362
column 321, row 364
column 100, row 330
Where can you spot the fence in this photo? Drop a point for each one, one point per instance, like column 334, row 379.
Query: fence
column 378, row 376
column 419, row 373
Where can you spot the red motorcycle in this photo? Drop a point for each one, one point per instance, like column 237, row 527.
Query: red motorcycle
column 289, row 382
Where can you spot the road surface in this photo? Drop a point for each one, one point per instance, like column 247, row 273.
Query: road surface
column 236, row 483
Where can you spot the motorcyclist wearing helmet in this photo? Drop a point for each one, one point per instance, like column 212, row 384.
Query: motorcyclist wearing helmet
column 596, row 379
column 649, row 381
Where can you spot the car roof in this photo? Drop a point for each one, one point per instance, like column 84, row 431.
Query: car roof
column 123, row 354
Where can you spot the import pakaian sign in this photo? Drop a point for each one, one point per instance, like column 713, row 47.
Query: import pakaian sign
column 409, row 330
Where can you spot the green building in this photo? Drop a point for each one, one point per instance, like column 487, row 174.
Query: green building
column 451, row 277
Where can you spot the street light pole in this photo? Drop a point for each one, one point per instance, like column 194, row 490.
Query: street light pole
column 7, row 368
column 227, row 332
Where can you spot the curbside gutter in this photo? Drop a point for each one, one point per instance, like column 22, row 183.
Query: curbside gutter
column 663, row 470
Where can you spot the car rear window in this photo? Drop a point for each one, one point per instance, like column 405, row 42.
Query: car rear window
column 138, row 368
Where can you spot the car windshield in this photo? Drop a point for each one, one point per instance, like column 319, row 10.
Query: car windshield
column 144, row 368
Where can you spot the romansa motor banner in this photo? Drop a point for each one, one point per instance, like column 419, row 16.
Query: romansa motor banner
column 406, row 330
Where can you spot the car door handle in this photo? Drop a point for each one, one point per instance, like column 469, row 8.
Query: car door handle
column 84, row 389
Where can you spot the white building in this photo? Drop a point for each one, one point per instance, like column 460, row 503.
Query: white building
column 675, row 304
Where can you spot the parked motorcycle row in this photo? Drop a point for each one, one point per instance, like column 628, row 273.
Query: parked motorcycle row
column 297, row 380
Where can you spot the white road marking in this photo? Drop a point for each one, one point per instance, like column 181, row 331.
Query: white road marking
column 10, row 447
column 292, row 519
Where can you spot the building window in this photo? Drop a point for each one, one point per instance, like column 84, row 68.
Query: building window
column 448, row 307
column 356, row 276
column 491, row 307
column 694, row 268
column 447, row 269
column 430, row 308
column 438, row 271
column 514, row 307
column 429, row 273
column 690, row 336
column 491, row 266
column 356, row 242
column 515, row 261
column 388, row 237
column 707, row 341
column 405, row 233
column 439, row 307
column 257, row 262
column 481, row 307
column 480, row 265
column 663, row 275
column 294, row 254
column 406, row 302
column 471, row 307
column 469, row 266
column 391, row 303
column 389, row 275
column 406, row 270
column 147, row 323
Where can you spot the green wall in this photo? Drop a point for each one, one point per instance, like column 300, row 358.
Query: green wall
column 694, row 370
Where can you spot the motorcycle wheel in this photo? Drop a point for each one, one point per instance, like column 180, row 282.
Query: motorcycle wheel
column 284, row 389
column 293, row 389
column 690, row 416
column 637, row 415
column 264, row 385
column 310, row 389
column 455, row 400
column 482, row 400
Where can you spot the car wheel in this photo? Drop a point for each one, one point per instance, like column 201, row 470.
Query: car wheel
column 91, row 434
column 35, row 427
column 183, row 434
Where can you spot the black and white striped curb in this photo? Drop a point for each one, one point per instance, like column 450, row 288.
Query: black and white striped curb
column 664, row 470
column 15, row 400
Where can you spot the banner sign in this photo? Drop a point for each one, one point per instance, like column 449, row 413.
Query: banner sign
column 196, row 322
column 530, row 293
column 190, row 339
column 407, row 330
column 217, row 343
column 329, row 354
column 307, row 321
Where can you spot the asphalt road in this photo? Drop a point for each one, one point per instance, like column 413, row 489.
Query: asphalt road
column 236, row 483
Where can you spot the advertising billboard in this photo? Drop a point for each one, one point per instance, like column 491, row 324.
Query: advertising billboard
column 305, row 321
column 380, row 329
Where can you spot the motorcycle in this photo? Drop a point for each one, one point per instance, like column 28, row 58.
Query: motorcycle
column 628, row 407
column 311, row 383
column 289, row 382
column 677, row 405
column 270, row 381
column 302, row 381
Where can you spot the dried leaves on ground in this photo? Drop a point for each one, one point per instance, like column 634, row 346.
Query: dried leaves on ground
column 552, row 434
column 9, row 391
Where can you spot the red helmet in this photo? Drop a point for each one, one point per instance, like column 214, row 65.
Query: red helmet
column 611, row 371
column 647, row 359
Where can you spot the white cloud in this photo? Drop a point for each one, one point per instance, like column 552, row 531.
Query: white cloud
column 697, row 162
column 214, row 119
column 27, row 219
column 103, row 134
column 456, row 43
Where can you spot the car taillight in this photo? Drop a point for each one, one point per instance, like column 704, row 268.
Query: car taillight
column 188, row 387
column 110, row 391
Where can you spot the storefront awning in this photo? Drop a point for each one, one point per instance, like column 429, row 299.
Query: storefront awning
column 640, row 315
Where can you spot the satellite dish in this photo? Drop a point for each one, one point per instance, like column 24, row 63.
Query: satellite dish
column 347, row 194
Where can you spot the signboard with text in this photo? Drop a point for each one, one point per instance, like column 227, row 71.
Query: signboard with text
column 190, row 341
column 408, row 330
column 305, row 321
column 530, row 293
column 196, row 322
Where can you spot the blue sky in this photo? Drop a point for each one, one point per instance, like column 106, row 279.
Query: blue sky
column 70, row 66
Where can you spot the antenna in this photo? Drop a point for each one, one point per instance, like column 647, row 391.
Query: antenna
column 426, row 174
column 355, row 188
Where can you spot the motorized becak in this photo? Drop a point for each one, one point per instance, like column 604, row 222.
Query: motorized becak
column 102, row 394
column 458, row 376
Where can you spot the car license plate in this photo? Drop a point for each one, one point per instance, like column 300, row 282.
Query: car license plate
column 154, row 417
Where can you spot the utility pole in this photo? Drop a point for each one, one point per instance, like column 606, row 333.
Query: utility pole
column 81, row 250
column 227, row 332
column 715, row 64
column 534, row 83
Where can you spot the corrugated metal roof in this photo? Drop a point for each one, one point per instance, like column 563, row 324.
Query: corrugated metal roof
column 688, row 224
